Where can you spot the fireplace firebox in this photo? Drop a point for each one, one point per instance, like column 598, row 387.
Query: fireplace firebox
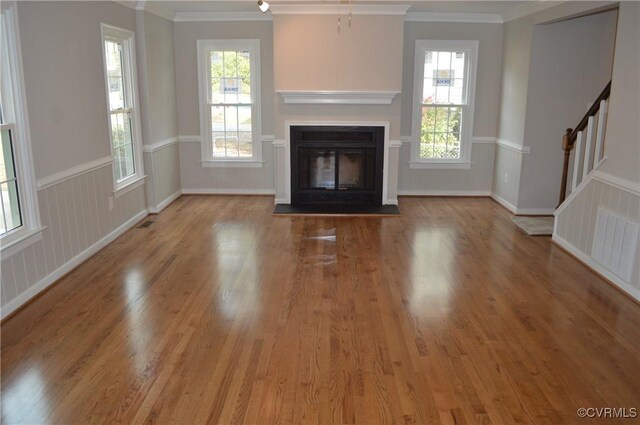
column 336, row 165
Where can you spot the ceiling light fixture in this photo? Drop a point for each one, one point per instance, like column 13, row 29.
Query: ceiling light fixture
column 263, row 5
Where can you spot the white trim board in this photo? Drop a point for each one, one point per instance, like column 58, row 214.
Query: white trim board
column 213, row 191
column 478, row 18
column 221, row 16
column 461, row 193
column 160, row 145
column 584, row 258
column 338, row 97
column 70, row 173
column 508, row 205
column 339, row 9
column 513, row 146
column 618, row 182
column 45, row 282
column 164, row 204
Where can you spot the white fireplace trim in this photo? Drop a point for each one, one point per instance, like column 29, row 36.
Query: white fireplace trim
column 385, row 166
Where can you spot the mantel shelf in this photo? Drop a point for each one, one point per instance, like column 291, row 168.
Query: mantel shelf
column 338, row 97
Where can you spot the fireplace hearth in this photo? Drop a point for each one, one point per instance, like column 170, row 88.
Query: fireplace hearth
column 337, row 165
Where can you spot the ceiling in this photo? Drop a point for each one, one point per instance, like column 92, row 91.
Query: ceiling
column 498, row 10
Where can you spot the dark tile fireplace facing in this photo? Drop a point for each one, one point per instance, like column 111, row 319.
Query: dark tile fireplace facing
column 336, row 165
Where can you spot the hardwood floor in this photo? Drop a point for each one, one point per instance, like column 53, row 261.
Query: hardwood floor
column 221, row 313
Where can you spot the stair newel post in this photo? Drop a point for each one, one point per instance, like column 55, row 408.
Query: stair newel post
column 567, row 146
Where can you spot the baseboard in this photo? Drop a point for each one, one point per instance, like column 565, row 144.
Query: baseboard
column 444, row 193
column 508, row 205
column 48, row 280
column 597, row 268
column 164, row 204
column 228, row 192
column 280, row 201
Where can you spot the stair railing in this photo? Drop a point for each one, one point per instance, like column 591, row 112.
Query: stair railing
column 588, row 152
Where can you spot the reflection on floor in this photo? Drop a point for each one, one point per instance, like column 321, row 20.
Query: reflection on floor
column 221, row 313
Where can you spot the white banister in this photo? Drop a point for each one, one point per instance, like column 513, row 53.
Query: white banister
column 586, row 163
column 576, row 161
column 602, row 119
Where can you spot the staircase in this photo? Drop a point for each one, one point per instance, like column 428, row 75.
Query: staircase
column 586, row 141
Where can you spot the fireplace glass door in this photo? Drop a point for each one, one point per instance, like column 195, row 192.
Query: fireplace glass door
column 336, row 169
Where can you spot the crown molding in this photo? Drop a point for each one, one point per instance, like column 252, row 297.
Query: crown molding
column 528, row 9
column 335, row 9
column 221, row 16
column 477, row 18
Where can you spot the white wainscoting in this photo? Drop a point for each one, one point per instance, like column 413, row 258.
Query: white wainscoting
column 474, row 181
column 75, row 211
column 575, row 222
column 162, row 162
column 198, row 179
column 506, row 175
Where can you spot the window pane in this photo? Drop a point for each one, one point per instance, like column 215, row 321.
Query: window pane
column 115, row 77
column 440, row 132
column 246, row 145
column 10, row 207
column 7, row 168
column 219, row 143
column 231, row 119
column 122, row 145
column 232, row 145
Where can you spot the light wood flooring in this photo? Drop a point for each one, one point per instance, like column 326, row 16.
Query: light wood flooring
column 220, row 313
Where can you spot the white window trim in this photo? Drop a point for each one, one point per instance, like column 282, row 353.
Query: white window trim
column 31, row 229
column 127, row 37
column 422, row 46
column 253, row 46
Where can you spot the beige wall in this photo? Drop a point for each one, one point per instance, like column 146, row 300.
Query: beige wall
column 570, row 65
column 310, row 54
column 64, row 77
column 622, row 143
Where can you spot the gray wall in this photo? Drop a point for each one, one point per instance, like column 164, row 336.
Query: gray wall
column 476, row 180
column 193, row 175
column 64, row 78
column 159, row 114
column 622, row 146
column 571, row 63
column 66, row 98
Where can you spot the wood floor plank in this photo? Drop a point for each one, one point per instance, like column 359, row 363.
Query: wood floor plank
column 219, row 312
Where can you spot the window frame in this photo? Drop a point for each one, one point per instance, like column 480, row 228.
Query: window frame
column 127, row 38
column 15, row 109
column 470, row 47
column 204, row 48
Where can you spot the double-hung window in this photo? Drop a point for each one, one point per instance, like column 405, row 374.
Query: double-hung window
column 121, row 90
column 229, row 85
column 19, row 216
column 444, row 89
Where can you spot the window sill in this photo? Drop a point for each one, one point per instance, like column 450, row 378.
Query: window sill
column 215, row 163
column 440, row 165
column 20, row 241
column 128, row 186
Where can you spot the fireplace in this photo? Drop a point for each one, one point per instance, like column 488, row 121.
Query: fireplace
column 337, row 165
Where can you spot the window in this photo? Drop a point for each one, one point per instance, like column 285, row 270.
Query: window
column 229, row 81
column 19, row 217
column 444, row 89
column 120, row 80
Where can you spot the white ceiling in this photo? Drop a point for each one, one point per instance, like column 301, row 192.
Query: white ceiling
column 477, row 6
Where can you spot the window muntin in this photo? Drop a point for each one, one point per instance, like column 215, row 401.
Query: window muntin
column 119, row 66
column 443, row 95
column 231, row 104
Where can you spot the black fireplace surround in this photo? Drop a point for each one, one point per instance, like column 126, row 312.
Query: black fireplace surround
column 336, row 165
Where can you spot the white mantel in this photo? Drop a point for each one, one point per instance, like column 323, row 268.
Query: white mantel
column 338, row 97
